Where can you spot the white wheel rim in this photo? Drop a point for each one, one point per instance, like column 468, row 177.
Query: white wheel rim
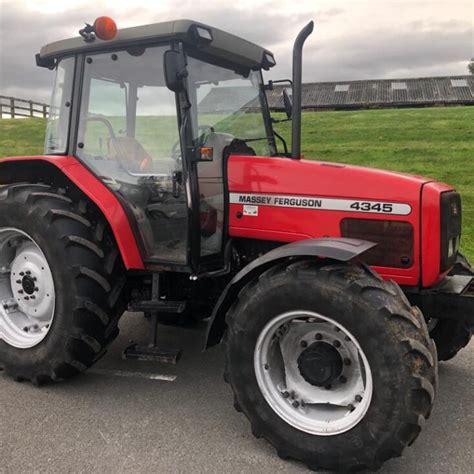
column 318, row 410
column 27, row 296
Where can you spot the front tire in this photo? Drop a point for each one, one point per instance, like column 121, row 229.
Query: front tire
column 451, row 336
column 352, row 312
column 87, row 278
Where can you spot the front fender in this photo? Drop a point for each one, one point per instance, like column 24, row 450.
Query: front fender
column 339, row 249
column 67, row 170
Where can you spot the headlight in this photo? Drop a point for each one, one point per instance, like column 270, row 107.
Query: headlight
column 451, row 212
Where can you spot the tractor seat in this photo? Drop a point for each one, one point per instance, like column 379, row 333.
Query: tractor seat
column 130, row 153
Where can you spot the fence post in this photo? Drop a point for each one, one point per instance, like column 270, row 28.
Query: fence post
column 12, row 107
column 45, row 111
column 31, row 108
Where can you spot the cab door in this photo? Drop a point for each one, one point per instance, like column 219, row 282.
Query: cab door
column 129, row 136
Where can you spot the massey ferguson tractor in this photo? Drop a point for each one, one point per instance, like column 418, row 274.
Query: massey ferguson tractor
column 165, row 189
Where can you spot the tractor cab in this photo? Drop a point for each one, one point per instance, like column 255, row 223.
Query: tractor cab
column 154, row 112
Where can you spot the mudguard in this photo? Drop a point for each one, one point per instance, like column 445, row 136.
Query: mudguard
column 69, row 169
column 339, row 249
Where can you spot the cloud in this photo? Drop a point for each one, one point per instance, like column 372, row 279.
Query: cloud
column 352, row 39
column 414, row 50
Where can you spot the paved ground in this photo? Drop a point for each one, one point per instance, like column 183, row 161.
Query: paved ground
column 102, row 422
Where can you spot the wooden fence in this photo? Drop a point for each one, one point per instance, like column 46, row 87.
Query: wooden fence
column 12, row 107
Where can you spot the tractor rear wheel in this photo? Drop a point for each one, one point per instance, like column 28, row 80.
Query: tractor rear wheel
column 330, row 364
column 61, row 282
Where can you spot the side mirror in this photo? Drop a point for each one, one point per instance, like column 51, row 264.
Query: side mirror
column 174, row 66
column 288, row 102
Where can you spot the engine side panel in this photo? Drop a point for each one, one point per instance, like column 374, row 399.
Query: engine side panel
column 289, row 200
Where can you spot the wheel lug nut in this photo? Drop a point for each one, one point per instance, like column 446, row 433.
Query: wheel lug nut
column 32, row 297
column 285, row 394
column 36, row 289
column 337, row 344
column 296, row 404
column 342, row 379
column 351, row 407
column 358, row 398
column 25, row 329
column 22, row 274
column 347, row 338
column 21, row 292
column 303, row 344
column 27, row 298
column 28, row 272
column 18, row 282
column 266, row 366
column 318, row 336
column 347, row 361
column 34, row 278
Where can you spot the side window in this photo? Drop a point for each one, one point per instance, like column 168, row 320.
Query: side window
column 106, row 118
column 156, row 110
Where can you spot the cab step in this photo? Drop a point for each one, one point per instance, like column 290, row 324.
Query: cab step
column 152, row 308
column 162, row 306
column 151, row 354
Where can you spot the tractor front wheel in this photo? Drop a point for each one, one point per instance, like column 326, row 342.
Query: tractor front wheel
column 451, row 336
column 330, row 364
column 60, row 284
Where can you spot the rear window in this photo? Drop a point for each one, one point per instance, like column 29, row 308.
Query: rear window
column 60, row 110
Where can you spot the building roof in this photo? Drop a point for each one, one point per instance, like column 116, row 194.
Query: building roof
column 407, row 92
column 223, row 46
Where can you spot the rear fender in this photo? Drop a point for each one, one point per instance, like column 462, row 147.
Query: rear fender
column 338, row 249
column 68, row 172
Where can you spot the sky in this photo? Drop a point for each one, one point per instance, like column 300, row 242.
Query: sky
column 353, row 39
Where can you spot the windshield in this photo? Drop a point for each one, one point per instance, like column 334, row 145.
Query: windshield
column 59, row 112
column 227, row 103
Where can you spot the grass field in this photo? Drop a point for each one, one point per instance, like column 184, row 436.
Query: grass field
column 433, row 142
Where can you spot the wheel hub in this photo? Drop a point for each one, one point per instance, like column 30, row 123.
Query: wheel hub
column 320, row 364
column 28, row 284
column 313, row 373
column 27, row 290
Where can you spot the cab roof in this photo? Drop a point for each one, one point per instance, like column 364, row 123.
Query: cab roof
column 223, row 46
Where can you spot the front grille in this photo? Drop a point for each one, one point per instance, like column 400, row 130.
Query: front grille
column 394, row 238
column 451, row 218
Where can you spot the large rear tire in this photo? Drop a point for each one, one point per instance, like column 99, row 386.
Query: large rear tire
column 77, row 267
column 330, row 364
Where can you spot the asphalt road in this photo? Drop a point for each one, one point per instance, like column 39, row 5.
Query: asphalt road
column 113, row 419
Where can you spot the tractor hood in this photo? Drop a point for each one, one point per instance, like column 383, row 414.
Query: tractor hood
column 321, row 179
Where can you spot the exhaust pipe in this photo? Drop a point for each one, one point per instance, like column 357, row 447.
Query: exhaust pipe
column 298, row 89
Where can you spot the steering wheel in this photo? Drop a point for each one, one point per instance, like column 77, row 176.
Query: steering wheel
column 202, row 137
column 176, row 149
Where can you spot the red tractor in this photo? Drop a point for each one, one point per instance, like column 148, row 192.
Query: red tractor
column 164, row 188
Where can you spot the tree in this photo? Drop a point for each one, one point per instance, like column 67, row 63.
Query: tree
column 470, row 66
